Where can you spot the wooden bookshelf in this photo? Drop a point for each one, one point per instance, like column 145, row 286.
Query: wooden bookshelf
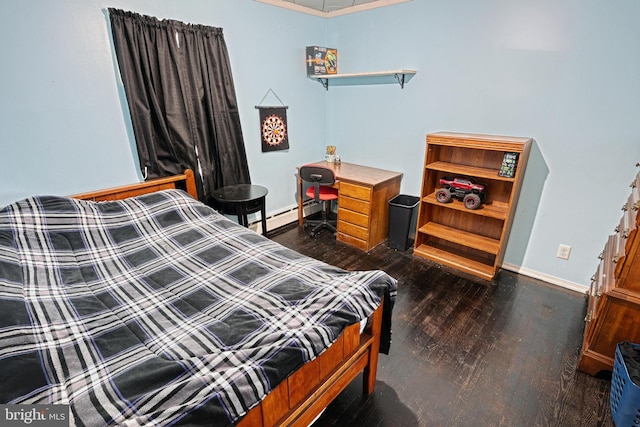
column 472, row 241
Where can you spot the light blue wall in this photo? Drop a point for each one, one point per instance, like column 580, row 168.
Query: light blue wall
column 64, row 127
column 566, row 73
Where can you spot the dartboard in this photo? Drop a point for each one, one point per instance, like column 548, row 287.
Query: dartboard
column 274, row 130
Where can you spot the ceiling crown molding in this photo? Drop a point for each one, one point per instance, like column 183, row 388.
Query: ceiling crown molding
column 319, row 8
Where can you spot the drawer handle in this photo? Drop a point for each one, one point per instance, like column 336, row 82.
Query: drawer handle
column 615, row 259
column 601, row 256
column 624, row 234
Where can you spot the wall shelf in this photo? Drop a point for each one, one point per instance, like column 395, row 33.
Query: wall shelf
column 370, row 78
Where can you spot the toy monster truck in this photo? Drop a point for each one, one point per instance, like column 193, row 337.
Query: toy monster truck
column 471, row 193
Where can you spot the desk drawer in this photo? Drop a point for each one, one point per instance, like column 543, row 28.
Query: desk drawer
column 355, row 191
column 353, row 217
column 350, row 240
column 353, row 230
column 355, row 205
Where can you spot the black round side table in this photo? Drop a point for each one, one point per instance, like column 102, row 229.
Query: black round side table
column 241, row 200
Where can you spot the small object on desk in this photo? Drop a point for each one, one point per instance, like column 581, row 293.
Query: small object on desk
column 241, row 200
column 330, row 155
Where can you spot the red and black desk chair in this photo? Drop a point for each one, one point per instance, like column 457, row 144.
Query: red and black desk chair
column 322, row 191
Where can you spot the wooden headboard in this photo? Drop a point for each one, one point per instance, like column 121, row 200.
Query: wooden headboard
column 185, row 181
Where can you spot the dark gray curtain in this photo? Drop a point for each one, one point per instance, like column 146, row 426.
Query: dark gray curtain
column 180, row 91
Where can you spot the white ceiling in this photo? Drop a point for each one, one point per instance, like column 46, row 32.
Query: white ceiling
column 331, row 8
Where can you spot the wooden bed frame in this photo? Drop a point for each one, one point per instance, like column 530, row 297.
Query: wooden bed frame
column 186, row 182
column 299, row 399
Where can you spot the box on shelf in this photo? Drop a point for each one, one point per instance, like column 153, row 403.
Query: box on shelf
column 321, row 60
column 509, row 164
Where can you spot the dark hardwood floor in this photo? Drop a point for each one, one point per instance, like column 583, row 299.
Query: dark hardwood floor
column 466, row 352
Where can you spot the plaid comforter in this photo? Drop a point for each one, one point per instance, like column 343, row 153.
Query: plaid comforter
column 156, row 310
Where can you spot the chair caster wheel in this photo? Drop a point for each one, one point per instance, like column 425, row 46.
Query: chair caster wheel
column 312, row 234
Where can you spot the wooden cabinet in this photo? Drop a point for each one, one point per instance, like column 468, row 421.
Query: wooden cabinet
column 472, row 241
column 363, row 205
column 613, row 310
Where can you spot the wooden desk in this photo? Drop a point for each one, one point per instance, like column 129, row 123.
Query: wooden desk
column 363, row 202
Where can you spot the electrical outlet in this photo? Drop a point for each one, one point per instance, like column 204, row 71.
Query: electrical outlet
column 564, row 251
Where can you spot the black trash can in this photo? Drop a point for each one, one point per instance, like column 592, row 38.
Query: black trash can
column 403, row 214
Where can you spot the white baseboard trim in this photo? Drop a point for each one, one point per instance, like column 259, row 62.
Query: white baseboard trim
column 284, row 217
column 577, row 287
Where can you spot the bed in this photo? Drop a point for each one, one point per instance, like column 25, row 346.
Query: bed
column 139, row 305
